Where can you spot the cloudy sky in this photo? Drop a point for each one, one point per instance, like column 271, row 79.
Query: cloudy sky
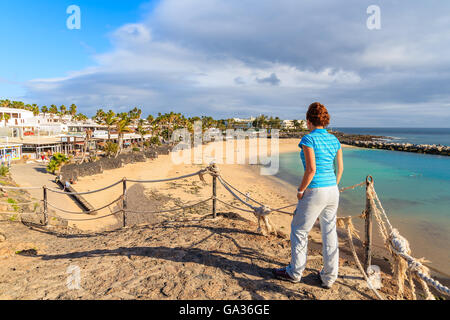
column 229, row 58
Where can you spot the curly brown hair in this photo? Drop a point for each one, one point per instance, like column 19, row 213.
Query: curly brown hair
column 318, row 115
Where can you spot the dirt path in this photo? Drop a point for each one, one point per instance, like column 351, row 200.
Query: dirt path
column 186, row 258
column 35, row 175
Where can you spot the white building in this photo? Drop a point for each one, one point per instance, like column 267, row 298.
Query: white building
column 17, row 117
column 289, row 124
column 23, row 123
column 243, row 123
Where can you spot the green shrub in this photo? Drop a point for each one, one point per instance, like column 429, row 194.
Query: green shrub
column 57, row 161
column 13, row 204
column 111, row 148
column 136, row 149
column 4, row 171
column 154, row 141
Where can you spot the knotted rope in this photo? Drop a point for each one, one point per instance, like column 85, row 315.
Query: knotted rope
column 403, row 264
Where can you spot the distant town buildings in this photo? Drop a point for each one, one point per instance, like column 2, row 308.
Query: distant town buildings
column 246, row 123
column 31, row 134
column 19, row 123
column 294, row 124
column 239, row 123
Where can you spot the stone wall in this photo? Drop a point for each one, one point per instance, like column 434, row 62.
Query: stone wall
column 110, row 163
column 75, row 171
column 164, row 150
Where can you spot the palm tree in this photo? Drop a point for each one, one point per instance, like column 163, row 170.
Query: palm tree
column 73, row 110
column 63, row 112
column 5, row 103
column 122, row 127
column 150, row 120
column 99, row 116
column 53, row 110
column 303, row 125
column 80, row 117
column 44, row 110
column 109, row 120
column 230, row 123
column 135, row 115
column 274, row 123
column 208, row 122
column 162, row 123
column 17, row 105
column 35, row 110
column 6, row 117
column 261, row 121
column 142, row 130
column 87, row 139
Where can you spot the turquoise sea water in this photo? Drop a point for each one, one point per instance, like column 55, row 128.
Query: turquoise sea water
column 413, row 188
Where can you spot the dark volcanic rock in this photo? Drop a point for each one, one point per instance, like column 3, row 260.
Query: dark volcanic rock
column 151, row 154
column 69, row 171
column 406, row 147
column 137, row 157
column 110, row 163
column 89, row 169
column 164, row 150
column 74, row 171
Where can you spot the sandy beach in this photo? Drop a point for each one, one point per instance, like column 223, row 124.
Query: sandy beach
column 247, row 178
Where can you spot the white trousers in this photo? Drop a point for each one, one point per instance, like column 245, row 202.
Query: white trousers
column 319, row 203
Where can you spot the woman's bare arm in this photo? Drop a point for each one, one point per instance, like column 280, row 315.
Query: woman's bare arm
column 340, row 166
column 310, row 171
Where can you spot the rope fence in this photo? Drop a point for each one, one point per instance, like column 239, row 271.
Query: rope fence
column 405, row 267
column 84, row 193
column 84, row 212
column 184, row 207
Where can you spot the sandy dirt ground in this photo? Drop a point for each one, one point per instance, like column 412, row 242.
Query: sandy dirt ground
column 189, row 257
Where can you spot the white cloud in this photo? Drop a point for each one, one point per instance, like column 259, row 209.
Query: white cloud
column 238, row 58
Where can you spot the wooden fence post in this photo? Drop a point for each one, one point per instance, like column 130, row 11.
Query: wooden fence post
column 368, row 227
column 45, row 206
column 214, row 204
column 124, row 202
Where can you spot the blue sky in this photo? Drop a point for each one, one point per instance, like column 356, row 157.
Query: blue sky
column 41, row 46
column 233, row 58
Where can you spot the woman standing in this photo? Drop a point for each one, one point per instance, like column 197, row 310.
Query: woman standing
column 318, row 197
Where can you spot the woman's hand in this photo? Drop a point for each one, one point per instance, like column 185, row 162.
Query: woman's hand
column 300, row 195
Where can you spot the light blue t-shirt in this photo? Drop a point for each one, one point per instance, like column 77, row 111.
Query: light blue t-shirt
column 325, row 147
